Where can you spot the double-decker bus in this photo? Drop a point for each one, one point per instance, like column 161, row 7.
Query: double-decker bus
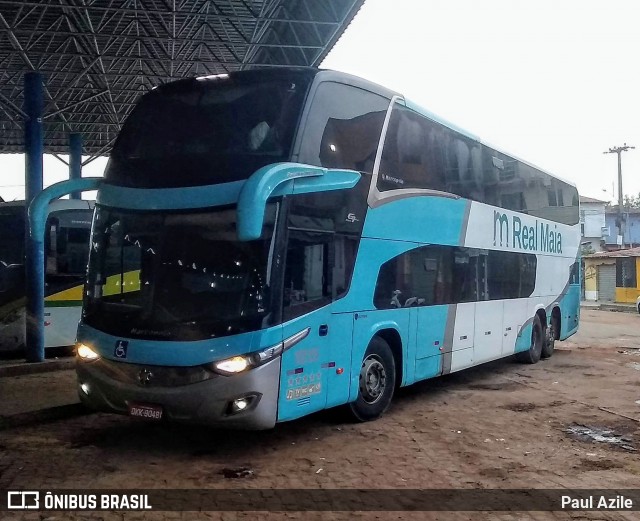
column 68, row 228
column 271, row 243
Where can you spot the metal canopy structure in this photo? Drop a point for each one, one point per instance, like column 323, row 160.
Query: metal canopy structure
column 98, row 56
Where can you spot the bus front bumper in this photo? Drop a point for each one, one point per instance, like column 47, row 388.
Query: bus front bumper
column 215, row 400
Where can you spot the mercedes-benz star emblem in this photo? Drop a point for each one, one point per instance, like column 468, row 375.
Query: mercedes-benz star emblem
column 145, row 376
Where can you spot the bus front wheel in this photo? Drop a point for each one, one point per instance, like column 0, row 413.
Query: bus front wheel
column 533, row 354
column 376, row 382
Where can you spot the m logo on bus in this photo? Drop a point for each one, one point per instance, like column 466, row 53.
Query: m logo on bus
column 537, row 237
column 501, row 225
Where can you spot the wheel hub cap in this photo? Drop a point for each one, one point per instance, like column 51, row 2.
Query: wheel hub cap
column 373, row 379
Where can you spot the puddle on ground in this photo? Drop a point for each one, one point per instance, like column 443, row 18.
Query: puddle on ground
column 239, row 473
column 594, row 465
column 599, row 435
column 520, row 407
column 624, row 350
column 634, row 365
column 506, row 386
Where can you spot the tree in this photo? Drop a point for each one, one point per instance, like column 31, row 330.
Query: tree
column 586, row 249
column 631, row 201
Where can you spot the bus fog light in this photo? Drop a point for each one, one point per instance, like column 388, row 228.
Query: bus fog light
column 241, row 404
column 86, row 353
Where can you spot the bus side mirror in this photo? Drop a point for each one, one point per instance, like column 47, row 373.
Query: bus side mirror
column 283, row 179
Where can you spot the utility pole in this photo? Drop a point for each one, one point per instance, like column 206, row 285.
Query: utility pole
column 620, row 219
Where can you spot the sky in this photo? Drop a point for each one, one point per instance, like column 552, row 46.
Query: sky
column 53, row 171
column 555, row 82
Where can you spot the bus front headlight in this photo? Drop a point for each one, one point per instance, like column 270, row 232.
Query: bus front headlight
column 237, row 364
column 234, row 365
column 86, row 353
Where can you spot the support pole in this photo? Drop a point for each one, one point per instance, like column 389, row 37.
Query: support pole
column 75, row 160
column 34, row 250
column 620, row 221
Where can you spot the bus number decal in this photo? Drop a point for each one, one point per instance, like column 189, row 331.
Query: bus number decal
column 305, row 390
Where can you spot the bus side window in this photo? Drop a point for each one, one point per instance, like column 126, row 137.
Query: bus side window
column 77, row 250
column 434, row 275
column 67, row 244
column 414, row 153
column 387, row 294
column 574, row 277
column 323, row 237
column 420, row 277
column 343, row 128
column 306, row 274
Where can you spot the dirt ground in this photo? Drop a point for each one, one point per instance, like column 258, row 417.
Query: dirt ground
column 502, row 425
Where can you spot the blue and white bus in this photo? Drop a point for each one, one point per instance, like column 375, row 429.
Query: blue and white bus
column 271, row 243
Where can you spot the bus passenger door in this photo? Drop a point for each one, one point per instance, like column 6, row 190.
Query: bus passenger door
column 304, row 381
column 322, row 242
column 488, row 331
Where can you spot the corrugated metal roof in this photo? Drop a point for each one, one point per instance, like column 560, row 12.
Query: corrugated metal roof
column 629, row 252
column 585, row 199
column 99, row 56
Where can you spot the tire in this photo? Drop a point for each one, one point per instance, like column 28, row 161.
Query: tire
column 550, row 339
column 533, row 354
column 377, row 382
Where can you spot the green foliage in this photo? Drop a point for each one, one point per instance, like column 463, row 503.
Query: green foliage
column 586, row 249
column 631, row 201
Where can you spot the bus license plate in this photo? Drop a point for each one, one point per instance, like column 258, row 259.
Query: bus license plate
column 145, row 411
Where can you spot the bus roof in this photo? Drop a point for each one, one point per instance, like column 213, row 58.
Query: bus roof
column 349, row 79
column 430, row 115
column 343, row 77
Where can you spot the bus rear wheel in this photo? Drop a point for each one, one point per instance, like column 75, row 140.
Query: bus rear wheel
column 376, row 382
column 533, row 354
column 550, row 338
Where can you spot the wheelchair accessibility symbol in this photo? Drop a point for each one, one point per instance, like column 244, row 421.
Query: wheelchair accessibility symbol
column 121, row 349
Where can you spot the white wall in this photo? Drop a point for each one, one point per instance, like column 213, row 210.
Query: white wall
column 592, row 216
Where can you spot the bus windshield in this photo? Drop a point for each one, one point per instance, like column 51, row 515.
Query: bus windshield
column 215, row 131
column 176, row 276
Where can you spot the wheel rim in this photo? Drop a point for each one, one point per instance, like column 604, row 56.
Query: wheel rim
column 373, row 379
column 552, row 335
